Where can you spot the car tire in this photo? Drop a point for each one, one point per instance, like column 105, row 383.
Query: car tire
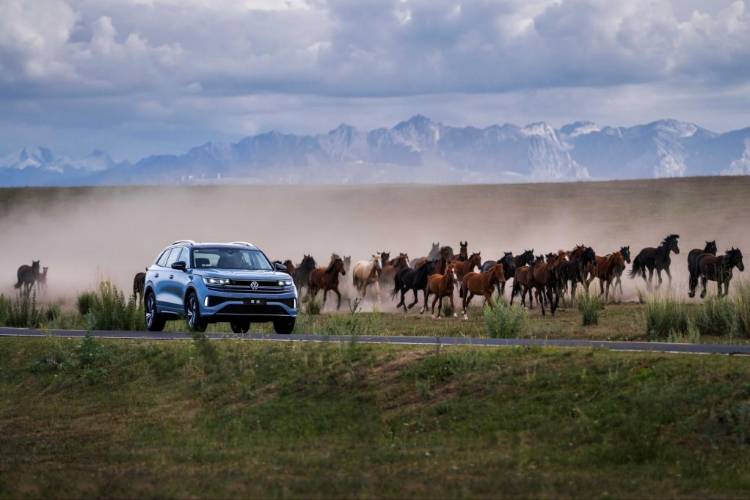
column 240, row 325
column 195, row 322
column 154, row 321
column 283, row 326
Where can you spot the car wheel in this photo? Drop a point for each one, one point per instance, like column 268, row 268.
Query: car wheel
column 284, row 326
column 193, row 314
column 240, row 325
column 154, row 321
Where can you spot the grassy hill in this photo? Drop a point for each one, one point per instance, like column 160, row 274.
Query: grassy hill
column 124, row 419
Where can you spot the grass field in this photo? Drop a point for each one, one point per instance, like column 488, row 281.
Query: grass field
column 109, row 418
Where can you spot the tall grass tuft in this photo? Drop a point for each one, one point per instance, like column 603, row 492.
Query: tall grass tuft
column 666, row 316
column 742, row 309
column 505, row 321
column 109, row 310
column 313, row 307
column 716, row 316
column 589, row 307
column 24, row 312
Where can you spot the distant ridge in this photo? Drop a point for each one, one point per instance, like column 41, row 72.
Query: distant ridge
column 414, row 150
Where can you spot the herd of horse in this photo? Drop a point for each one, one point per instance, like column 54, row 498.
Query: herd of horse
column 438, row 275
column 544, row 278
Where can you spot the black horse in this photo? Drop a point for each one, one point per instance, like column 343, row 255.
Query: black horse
column 510, row 264
column 302, row 272
column 414, row 280
column 27, row 276
column 693, row 268
column 139, row 283
column 718, row 269
column 575, row 270
column 655, row 259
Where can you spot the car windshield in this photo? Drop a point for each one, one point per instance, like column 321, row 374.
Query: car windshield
column 230, row 258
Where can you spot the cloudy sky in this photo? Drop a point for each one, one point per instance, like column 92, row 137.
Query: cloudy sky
column 136, row 77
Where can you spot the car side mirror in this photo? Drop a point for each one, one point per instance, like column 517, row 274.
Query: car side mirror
column 180, row 265
column 280, row 267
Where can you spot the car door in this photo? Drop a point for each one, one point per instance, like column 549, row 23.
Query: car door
column 171, row 296
column 160, row 278
column 180, row 279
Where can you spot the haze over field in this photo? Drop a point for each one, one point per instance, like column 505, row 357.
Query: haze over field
column 85, row 234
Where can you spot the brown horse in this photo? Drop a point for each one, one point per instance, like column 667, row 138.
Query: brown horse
column 609, row 268
column 327, row 278
column 522, row 283
column 481, row 284
column 463, row 253
column 719, row 269
column 543, row 282
column 290, row 267
column 465, row 267
column 441, row 285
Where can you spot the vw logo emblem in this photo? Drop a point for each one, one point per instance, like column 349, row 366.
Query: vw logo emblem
column 254, row 285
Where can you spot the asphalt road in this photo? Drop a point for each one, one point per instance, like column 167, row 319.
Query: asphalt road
column 664, row 347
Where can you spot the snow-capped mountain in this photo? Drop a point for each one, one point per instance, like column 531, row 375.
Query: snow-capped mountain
column 415, row 150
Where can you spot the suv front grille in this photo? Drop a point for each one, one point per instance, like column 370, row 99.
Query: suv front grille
column 245, row 286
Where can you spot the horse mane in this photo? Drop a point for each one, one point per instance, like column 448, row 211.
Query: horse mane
column 332, row 265
column 669, row 238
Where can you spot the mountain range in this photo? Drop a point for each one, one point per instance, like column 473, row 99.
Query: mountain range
column 415, row 150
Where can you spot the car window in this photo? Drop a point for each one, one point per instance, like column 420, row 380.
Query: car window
column 231, row 258
column 163, row 258
column 173, row 257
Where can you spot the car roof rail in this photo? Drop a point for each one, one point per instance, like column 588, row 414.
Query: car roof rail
column 245, row 243
column 189, row 242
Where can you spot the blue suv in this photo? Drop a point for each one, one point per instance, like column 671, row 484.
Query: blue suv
column 215, row 282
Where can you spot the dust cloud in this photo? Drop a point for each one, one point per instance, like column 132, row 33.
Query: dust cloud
column 87, row 234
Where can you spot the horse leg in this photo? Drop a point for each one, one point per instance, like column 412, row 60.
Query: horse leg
column 704, row 282
column 540, row 298
column 416, row 299
column 453, row 307
column 669, row 275
column 434, row 301
column 658, row 275
column 325, row 296
column 338, row 298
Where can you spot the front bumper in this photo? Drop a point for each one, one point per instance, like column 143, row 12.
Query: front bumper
column 224, row 306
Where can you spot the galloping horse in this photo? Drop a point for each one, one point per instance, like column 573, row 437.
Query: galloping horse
column 392, row 267
column 574, row 270
column 366, row 273
column 434, row 254
column 290, row 267
column 463, row 252
column 139, row 283
column 414, row 280
column 441, row 285
column 465, row 267
column 718, row 269
column 609, row 268
column 543, row 281
column 482, row 283
column 27, row 276
column 302, row 272
column 522, row 283
column 693, row 268
column 655, row 258
column 327, row 278
column 510, row 264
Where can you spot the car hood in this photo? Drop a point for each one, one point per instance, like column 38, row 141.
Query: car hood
column 239, row 274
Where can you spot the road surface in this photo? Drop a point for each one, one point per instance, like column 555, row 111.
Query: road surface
column 379, row 339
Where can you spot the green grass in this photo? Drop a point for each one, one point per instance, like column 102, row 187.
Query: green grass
column 665, row 316
column 589, row 306
column 217, row 419
column 505, row 321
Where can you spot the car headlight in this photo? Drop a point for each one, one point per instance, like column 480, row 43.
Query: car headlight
column 285, row 282
column 217, row 281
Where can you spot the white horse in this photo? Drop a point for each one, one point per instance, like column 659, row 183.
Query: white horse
column 366, row 273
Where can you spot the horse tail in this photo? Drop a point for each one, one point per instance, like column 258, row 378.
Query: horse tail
column 639, row 269
column 18, row 285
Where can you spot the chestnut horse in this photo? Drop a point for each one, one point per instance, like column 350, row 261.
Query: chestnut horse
column 482, row 283
column 693, row 268
column 609, row 268
column 522, row 283
column 441, row 285
column 366, row 273
column 658, row 259
column 510, row 264
column 543, row 282
column 719, row 269
column 466, row 266
column 327, row 278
